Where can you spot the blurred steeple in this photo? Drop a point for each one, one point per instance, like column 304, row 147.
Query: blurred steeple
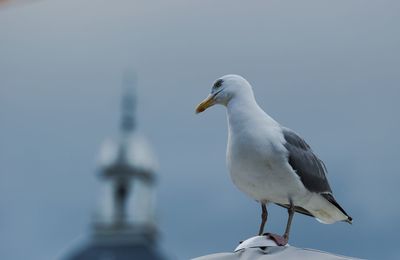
column 129, row 174
column 128, row 104
column 124, row 226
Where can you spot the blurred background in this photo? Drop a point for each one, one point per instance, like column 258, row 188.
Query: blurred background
column 327, row 69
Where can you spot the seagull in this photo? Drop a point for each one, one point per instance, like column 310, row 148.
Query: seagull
column 270, row 162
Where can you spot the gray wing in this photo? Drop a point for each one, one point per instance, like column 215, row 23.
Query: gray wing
column 307, row 165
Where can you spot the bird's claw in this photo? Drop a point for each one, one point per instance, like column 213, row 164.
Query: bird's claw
column 279, row 240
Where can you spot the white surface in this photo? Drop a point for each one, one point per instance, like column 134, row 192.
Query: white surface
column 257, row 241
column 261, row 247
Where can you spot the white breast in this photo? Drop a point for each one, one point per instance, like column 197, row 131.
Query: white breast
column 257, row 161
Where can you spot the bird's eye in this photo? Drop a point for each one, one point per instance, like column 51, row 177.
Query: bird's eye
column 218, row 83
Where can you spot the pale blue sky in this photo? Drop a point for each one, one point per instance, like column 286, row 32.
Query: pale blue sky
column 327, row 69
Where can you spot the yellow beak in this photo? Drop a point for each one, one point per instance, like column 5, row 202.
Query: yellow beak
column 206, row 103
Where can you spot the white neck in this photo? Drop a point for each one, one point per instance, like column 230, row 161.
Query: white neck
column 244, row 111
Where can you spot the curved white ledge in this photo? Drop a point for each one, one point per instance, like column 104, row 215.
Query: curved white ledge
column 264, row 248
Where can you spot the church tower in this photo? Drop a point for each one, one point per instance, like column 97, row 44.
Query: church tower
column 124, row 226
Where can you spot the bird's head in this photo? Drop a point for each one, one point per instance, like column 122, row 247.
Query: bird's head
column 224, row 90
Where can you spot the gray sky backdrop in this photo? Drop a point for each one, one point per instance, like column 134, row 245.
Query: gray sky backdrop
column 328, row 69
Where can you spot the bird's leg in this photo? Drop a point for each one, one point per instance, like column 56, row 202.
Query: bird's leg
column 283, row 240
column 264, row 216
column 289, row 222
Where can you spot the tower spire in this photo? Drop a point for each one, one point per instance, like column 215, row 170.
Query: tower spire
column 124, row 226
column 122, row 188
column 128, row 104
column 128, row 173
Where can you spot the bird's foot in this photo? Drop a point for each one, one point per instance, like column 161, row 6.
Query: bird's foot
column 279, row 240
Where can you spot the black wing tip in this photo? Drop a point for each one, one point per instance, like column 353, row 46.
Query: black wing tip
column 329, row 197
column 349, row 220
